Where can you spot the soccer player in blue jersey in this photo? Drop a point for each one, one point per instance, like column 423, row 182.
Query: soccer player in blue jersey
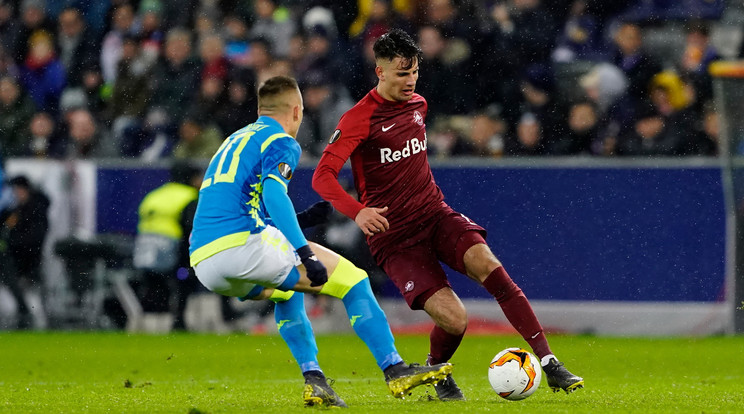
column 247, row 242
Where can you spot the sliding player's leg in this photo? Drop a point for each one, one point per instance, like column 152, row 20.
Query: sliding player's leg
column 351, row 285
column 297, row 332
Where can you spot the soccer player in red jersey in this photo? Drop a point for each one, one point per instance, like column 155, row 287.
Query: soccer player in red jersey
column 409, row 227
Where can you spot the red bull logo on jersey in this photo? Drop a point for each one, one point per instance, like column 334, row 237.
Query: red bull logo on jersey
column 413, row 146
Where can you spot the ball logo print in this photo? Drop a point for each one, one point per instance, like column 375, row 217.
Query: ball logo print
column 514, row 374
column 336, row 135
column 285, row 170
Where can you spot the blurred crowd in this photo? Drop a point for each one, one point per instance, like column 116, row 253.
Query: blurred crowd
column 152, row 79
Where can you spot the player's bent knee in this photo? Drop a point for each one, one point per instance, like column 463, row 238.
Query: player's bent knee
column 280, row 295
column 344, row 277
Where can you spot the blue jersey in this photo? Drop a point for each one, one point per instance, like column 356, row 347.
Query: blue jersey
column 230, row 206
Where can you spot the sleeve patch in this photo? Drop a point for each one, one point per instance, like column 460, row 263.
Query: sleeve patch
column 285, row 170
column 336, row 135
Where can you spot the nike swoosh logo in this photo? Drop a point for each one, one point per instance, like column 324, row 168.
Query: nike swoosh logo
column 535, row 335
column 385, row 129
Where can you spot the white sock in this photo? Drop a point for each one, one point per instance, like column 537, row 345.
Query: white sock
column 546, row 359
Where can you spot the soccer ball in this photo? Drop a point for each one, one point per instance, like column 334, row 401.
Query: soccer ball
column 514, row 373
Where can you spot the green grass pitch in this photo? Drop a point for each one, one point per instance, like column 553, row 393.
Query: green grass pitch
column 83, row 372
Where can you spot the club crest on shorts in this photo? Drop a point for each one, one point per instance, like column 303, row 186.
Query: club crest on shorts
column 409, row 286
column 285, row 170
column 336, row 135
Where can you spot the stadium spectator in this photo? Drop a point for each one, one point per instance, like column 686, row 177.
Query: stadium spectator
column 582, row 132
column 44, row 138
column 409, row 227
column 261, row 59
column 10, row 29
column 606, row 87
column 151, row 33
column 375, row 14
column 527, row 139
column 16, row 110
column 42, row 73
column 23, row 229
column 197, row 138
column 152, row 139
column 215, row 63
column 708, row 135
column 540, row 100
column 448, row 92
column 34, row 21
column 654, row 134
column 446, row 138
column 240, row 104
column 237, row 42
column 324, row 104
column 581, row 36
column 122, row 24
column 320, row 54
column 211, row 101
column 379, row 16
column 85, row 138
column 170, row 75
column 274, row 23
column 76, row 45
column 130, row 94
column 488, row 133
column 8, row 66
column 528, row 29
column 696, row 57
column 639, row 67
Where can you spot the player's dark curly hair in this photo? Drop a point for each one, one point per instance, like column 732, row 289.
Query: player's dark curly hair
column 397, row 43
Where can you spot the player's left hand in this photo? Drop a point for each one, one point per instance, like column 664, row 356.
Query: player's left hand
column 317, row 213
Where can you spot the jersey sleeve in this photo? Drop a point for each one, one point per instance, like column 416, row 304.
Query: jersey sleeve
column 352, row 130
column 279, row 158
column 325, row 183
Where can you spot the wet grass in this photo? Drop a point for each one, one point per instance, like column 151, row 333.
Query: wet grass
column 191, row 373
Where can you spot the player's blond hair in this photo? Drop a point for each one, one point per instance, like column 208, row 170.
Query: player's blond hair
column 272, row 94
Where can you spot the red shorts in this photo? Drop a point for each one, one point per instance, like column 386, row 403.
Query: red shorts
column 416, row 269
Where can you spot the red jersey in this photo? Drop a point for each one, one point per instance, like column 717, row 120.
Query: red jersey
column 386, row 142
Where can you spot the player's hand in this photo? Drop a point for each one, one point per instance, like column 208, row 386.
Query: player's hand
column 316, row 272
column 317, row 213
column 372, row 221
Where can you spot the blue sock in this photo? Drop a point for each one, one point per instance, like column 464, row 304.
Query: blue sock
column 295, row 329
column 370, row 324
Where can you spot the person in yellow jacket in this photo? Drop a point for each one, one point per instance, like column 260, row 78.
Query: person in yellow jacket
column 161, row 245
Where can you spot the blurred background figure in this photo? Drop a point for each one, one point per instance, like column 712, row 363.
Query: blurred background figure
column 488, row 133
column 161, row 244
column 527, row 139
column 16, row 110
column 85, row 138
column 582, row 132
column 43, row 137
column 197, row 138
column 42, row 74
column 23, row 229
column 324, row 104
